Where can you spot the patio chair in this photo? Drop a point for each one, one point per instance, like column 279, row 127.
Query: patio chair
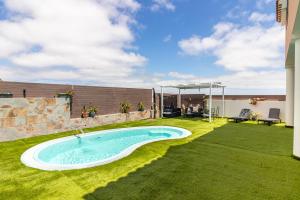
column 199, row 112
column 170, row 111
column 273, row 117
column 205, row 113
column 243, row 116
column 189, row 112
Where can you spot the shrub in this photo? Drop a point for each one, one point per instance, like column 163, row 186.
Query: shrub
column 125, row 107
column 254, row 115
column 141, row 106
column 93, row 109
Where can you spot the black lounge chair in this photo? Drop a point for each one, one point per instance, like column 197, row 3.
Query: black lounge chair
column 244, row 116
column 189, row 112
column 198, row 113
column 273, row 117
column 170, row 111
column 205, row 113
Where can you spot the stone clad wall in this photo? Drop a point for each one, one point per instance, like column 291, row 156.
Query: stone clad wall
column 108, row 119
column 27, row 117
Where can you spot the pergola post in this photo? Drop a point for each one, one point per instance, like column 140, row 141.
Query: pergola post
column 210, row 101
column 179, row 98
column 152, row 104
column 161, row 101
column 200, row 98
column 223, row 102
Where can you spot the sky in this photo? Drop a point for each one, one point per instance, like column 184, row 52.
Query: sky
column 145, row 44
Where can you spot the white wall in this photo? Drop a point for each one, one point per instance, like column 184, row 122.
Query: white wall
column 233, row 107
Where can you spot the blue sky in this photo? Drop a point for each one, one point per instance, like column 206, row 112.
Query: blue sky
column 131, row 43
column 190, row 17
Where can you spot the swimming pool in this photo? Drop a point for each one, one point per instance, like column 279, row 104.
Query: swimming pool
column 96, row 148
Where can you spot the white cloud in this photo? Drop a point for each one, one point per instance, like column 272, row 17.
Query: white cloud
column 238, row 47
column 261, row 4
column 251, row 47
column 178, row 75
column 222, row 28
column 236, row 12
column 196, row 45
column 162, row 4
column 273, row 79
column 92, row 39
column 261, row 17
column 254, row 54
column 168, row 38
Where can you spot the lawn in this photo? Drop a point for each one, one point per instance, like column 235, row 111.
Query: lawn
column 219, row 161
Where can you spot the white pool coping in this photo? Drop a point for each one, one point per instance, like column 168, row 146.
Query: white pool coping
column 30, row 156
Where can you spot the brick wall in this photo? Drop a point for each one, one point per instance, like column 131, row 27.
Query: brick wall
column 186, row 99
column 106, row 99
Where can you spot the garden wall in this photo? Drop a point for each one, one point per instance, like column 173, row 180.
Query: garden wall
column 233, row 103
column 28, row 117
column 233, row 107
column 106, row 99
column 77, row 123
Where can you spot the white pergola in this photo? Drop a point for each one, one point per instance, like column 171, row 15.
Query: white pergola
column 199, row 86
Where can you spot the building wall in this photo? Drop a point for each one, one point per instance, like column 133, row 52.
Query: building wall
column 292, row 14
column 106, row 99
column 233, row 107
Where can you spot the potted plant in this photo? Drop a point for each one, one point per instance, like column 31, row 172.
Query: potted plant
column 125, row 107
column 84, row 112
column 92, row 111
column 141, row 106
column 253, row 101
column 254, row 116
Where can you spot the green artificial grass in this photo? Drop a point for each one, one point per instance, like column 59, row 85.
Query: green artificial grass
column 219, row 161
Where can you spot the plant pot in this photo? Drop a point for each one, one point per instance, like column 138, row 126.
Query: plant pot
column 254, row 118
column 92, row 114
column 84, row 115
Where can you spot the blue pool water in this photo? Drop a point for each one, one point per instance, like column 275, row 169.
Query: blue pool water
column 97, row 148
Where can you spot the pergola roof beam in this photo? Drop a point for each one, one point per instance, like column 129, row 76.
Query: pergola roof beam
column 196, row 86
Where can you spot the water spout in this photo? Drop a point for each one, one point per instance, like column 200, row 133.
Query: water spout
column 78, row 130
